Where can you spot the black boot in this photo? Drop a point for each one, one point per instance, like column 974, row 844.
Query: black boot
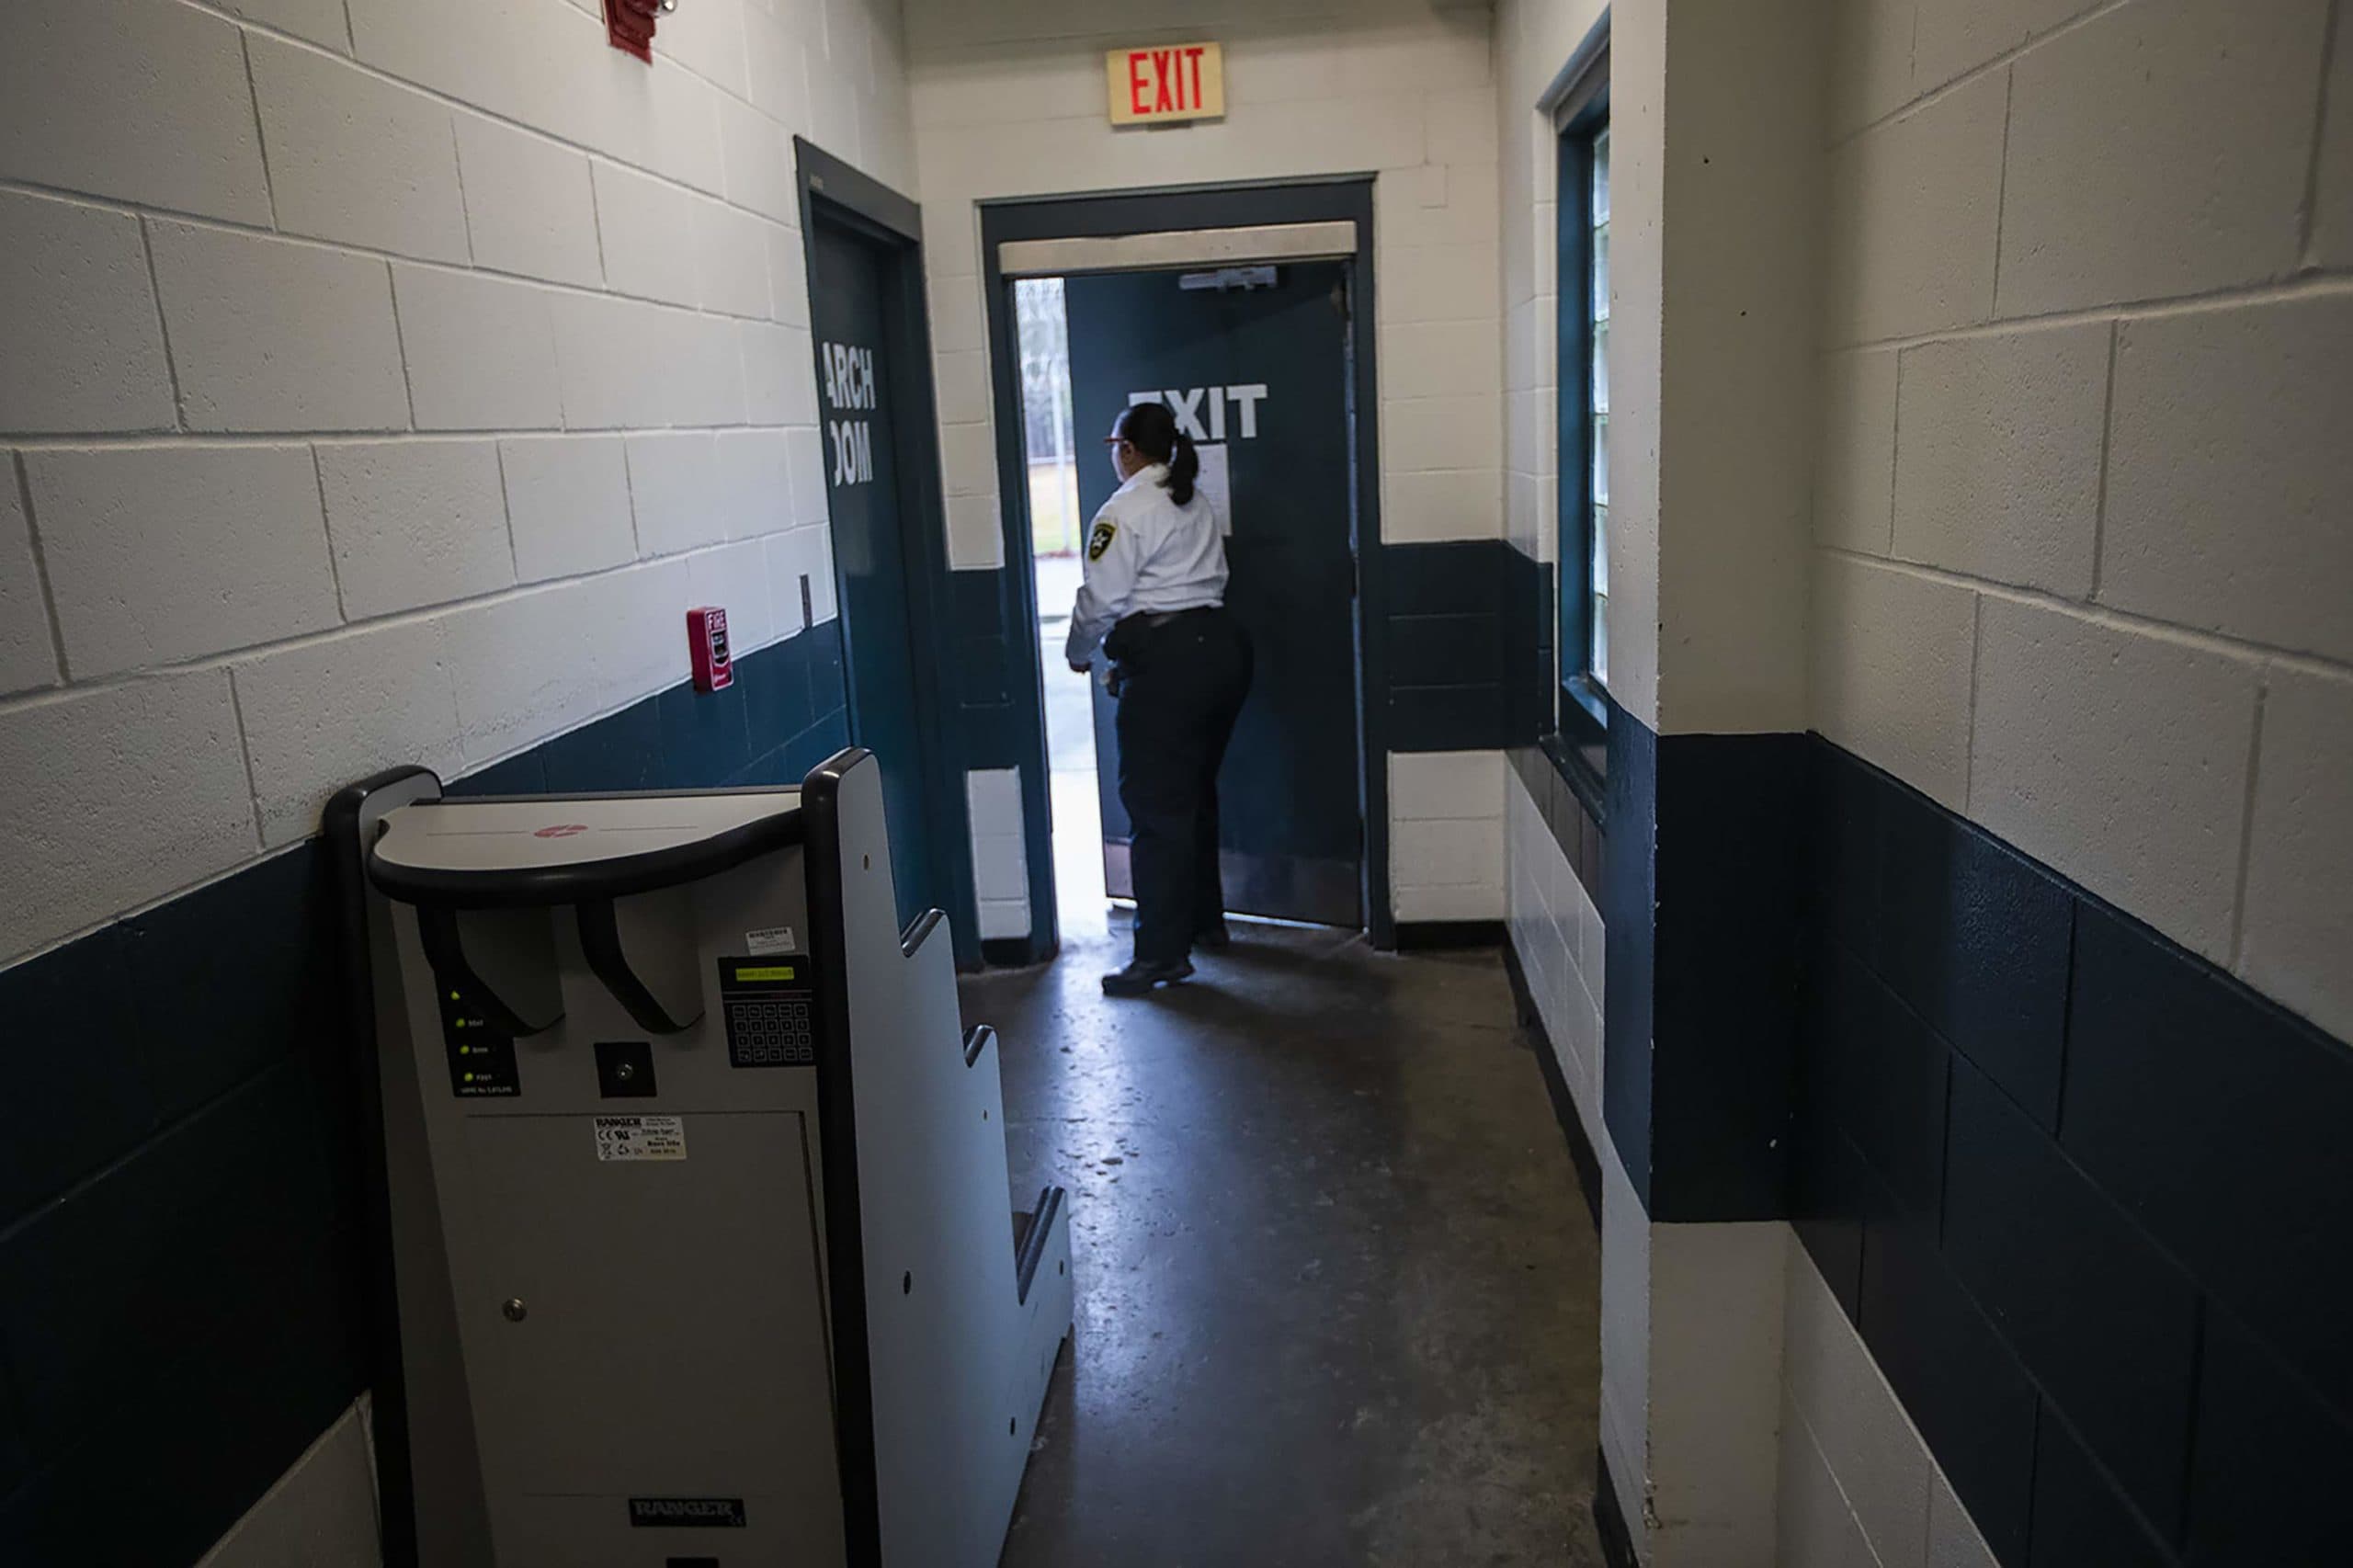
column 1138, row 978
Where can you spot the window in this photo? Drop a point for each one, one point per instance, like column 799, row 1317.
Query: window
column 1583, row 382
column 1597, row 492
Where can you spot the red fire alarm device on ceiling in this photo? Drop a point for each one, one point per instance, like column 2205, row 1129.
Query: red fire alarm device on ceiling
column 707, row 641
column 629, row 25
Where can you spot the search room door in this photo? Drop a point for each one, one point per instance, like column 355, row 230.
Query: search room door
column 847, row 307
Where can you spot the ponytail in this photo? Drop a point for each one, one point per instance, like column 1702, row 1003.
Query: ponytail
column 1152, row 430
column 1184, row 467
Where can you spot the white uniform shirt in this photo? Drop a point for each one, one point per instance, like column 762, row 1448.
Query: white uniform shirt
column 1146, row 555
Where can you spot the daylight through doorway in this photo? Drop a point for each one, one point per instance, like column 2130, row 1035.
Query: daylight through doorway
column 1051, row 448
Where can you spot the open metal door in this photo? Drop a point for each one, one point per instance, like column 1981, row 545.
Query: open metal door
column 1255, row 362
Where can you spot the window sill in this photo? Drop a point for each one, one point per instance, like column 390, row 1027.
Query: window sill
column 1579, row 749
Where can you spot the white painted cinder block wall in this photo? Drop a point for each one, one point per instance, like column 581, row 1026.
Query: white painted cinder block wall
column 1857, row 1484
column 1008, row 100
column 1533, row 40
column 2083, row 567
column 1446, row 850
column 382, row 380
column 1712, row 247
column 379, row 384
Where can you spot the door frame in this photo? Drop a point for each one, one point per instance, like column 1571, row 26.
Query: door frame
column 1096, row 215
column 836, row 193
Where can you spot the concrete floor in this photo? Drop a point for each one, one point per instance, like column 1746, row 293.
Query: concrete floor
column 1337, row 1295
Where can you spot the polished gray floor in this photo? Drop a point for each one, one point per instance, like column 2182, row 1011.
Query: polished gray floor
column 1337, row 1294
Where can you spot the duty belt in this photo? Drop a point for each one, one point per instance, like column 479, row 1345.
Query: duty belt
column 1162, row 617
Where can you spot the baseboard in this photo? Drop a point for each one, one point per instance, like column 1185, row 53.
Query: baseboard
column 1564, row 1106
column 1608, row 1519
column 1441, row 935
column 1011, row 952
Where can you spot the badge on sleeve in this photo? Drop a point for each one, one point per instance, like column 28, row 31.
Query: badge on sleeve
column 1100, row 541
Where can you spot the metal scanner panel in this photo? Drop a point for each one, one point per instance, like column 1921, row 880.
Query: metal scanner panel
column 744, row 1354
column 638, row 1278
column 528, row 852
column 954, row 1359
column 428, row 1465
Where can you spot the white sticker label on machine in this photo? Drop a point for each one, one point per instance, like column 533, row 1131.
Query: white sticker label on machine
column 774, row 939
column 641, row 1138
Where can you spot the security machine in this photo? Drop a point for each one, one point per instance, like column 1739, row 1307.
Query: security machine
column 692, row 1189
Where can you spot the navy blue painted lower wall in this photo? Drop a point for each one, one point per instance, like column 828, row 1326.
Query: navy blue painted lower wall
column 1467, row 632
column 2086, row 1197
column 1730, row 851
column 178, row 1274
column 783, row 716
column 179, row 1213
column 1469, row 636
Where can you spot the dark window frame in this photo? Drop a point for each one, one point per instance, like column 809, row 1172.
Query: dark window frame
column 1579, row 745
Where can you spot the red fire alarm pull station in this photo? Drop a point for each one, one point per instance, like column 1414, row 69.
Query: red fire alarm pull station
column 706, row 641
column 629, row 24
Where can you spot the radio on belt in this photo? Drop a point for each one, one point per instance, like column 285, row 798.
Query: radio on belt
column 689, row 1198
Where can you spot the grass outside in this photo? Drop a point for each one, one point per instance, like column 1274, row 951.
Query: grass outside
column 1054, row 522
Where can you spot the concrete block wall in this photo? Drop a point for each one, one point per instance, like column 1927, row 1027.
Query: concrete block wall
column 1009, row 101
column 1533, row 40
column 2080, row 568
column 1739, row 261
column 1000, row 860
column 1555, row 928
column 1858, row 1485
column 1714, row 258
column 383, row 382
column 2081, row 571
column 1446, row 850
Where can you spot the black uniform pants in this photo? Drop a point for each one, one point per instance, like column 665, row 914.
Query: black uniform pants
column 1182, row 683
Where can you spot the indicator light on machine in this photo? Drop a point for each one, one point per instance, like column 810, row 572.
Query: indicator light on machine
column 707, row 645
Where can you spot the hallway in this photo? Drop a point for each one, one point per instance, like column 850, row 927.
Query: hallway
column 1337, row 1290
column 1797, row 563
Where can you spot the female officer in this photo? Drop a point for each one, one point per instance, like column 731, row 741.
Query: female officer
column 1154, row 599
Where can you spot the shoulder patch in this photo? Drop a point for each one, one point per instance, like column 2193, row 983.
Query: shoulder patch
column 1101, row 539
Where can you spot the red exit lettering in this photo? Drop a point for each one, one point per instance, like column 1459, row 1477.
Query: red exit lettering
column 1175, row 82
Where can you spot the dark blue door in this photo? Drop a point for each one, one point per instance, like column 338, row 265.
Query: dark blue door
column 1259, row 377
column 847, row 302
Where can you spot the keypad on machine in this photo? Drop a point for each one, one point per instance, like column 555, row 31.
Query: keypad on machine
column 770, row 1033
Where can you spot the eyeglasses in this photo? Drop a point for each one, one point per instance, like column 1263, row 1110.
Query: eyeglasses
column 1117, row 441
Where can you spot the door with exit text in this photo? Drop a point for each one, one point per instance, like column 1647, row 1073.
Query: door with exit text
column 1259, row 376
column 850, row 319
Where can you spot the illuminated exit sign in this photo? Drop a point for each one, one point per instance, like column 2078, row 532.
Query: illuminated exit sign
column 1166, row 83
